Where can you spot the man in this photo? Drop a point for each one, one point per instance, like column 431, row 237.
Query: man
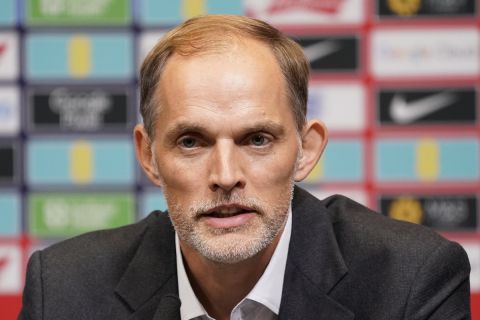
column 223, row 100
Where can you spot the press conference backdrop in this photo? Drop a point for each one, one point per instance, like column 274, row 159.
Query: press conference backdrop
column 396, row 82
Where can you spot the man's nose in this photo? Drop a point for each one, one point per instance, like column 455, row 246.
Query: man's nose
column 226, row 173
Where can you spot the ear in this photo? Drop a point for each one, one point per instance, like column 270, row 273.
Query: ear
column 314, row 140
column 144, row 153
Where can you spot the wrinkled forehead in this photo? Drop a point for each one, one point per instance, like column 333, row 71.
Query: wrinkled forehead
column 246, row 76
column 241, row 67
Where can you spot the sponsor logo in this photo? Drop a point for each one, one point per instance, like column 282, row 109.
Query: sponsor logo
column 404, row 112
column 8, row 160
column 330, row 54
column 330, row 6
column 447, row 212
column 404, row 7
column 450, row 7
column 320, row 50
column 79, row 109
column 427, row 160
column 9, row 110
column 307, row 12
column 425, row 52
column 425, row 8
column 406, row 209
column 10, row 269
column 442, row 212
column 427, row 106
column 80, row 162
column 73, row 12
column 8, row 56
column 64, row 215
column 79, row 57
column 339, row 106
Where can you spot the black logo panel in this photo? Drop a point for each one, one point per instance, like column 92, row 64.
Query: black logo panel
column 426, row 8
column 77, row 109
column 442, row 212
column 445, row 106
column 331, row 54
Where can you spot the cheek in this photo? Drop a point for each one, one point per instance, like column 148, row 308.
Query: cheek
column 178, row 176
column 273, row 171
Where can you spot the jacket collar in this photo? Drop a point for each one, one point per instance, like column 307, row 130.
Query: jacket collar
column 315, row 264
column 149, row 284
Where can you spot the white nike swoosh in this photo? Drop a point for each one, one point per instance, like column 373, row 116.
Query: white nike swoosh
column 408, row 112
column 320, row 49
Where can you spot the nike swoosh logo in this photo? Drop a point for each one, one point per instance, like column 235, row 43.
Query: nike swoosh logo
column 408, row 112
column 320, row 49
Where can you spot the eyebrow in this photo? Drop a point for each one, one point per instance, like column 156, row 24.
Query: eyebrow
column 268, row 126
column 182, row 128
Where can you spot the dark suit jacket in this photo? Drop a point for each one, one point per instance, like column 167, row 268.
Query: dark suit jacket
column 344, row 262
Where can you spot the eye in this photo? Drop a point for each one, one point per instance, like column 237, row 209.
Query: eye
column 258, row 140
column 188, row 142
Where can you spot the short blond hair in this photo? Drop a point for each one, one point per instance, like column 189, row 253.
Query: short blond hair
column 215, row 32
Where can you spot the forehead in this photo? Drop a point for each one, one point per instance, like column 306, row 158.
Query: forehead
column 243, row 74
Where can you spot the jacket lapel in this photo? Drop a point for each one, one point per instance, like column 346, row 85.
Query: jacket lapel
column 149, row 285
column 314, row 265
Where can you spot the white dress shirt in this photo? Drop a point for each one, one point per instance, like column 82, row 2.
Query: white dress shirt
column 263, row 302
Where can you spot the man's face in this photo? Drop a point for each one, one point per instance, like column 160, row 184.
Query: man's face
column 226, row 148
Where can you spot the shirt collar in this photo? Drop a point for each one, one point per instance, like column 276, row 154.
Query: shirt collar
column 190, row 306
column 267, row 290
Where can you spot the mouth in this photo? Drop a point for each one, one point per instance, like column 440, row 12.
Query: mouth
column 227, row 211
column 228, row 216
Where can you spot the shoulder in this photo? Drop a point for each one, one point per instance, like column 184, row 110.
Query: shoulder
column 365, row 236
column 77, row 278
column 104, row 251
column 358, row 226
column 394, row 269
column 400, row 251
column 413, row 265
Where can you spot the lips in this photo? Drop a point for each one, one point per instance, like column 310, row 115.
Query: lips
column 226, row 212
column 228, row 216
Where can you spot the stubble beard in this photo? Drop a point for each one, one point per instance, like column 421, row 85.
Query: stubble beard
column 230, row 245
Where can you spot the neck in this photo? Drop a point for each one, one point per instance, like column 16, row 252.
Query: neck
column 220, row 287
